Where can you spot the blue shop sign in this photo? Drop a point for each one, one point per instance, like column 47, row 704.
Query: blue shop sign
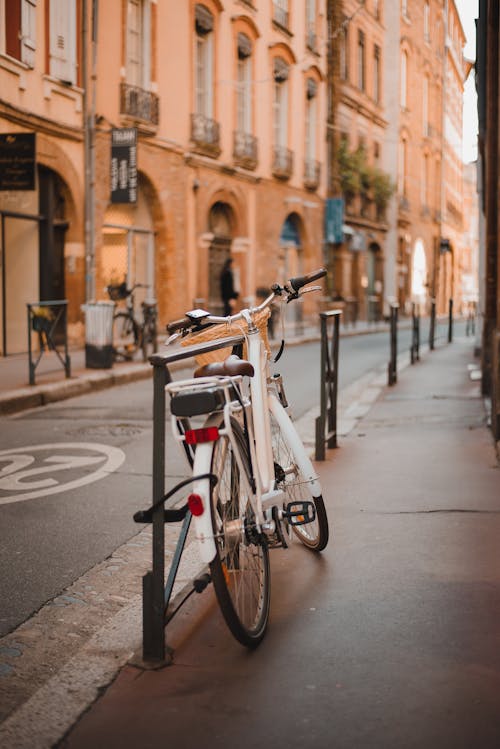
column 334, row 219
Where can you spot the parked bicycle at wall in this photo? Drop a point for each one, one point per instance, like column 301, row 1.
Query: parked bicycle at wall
column 129, row 334
column 254, row 487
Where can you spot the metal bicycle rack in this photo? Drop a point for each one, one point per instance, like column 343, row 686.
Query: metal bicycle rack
column 44, row 318
column 156, row 594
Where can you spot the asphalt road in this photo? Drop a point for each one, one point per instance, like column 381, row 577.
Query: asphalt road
column 83, row 467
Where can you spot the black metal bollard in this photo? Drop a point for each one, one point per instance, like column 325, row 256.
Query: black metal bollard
column 432, row 326
column 392, row 367
column 328, row 385
column 415, row 342
column 450, row 321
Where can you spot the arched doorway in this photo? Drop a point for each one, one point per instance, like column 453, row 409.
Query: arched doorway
column 128, row 247
column 33, row 228
column 291, row 263
column 375, row 282
column 419, row 274
column 221, row 226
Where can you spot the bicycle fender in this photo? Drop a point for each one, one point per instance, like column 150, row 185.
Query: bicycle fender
column 203, row 529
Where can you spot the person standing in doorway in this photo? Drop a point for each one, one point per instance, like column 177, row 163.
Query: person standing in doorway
column 227, row 290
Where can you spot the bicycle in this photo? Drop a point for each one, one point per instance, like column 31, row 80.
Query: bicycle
column 129, row 335
column 254, row 486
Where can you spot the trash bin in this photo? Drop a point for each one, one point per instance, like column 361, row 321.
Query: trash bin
column 99, row 334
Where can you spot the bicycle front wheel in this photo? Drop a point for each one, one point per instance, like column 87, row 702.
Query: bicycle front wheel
column 290, row 479
column 125, row 335
column 240, row 570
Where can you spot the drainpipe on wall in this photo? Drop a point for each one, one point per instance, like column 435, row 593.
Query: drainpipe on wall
column 89, row 94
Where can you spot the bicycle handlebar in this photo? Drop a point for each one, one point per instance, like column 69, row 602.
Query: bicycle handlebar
column 291, row 289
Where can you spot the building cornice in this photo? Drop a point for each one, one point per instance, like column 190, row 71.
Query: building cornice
column 363, row 110
column 39, row 124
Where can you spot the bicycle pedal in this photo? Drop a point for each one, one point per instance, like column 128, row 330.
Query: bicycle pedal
column 300, row 513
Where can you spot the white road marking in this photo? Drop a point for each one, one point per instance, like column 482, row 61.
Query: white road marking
column 13, row 477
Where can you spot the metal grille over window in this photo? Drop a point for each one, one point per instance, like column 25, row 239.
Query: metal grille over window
column 244, row 46
column 280, row 70
column 204, row 20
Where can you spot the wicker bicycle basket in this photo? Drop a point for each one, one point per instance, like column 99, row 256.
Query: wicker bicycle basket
column 117, row 292
column 224, row 331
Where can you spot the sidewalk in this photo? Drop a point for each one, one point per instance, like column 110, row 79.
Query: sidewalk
column 390, row 639
column 51, row 385
column 403, row 648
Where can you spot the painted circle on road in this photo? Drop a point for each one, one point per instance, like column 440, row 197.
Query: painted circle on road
column 40, row 470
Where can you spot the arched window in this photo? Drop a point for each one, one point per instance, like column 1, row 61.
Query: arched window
column 204, row 26
column 280, row 103
column 404, row 81
column 311, row 165
column 244, row 85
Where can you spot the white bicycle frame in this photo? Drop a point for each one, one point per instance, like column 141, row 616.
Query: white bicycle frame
column 264, row 401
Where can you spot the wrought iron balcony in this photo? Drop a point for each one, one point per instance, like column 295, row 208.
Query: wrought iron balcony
column 312, row 171
column 245, row 150
column 139, row 104
column 205, row 134
column 282, row 162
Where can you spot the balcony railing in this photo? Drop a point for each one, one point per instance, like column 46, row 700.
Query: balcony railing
column 282, row 162
column 205, row 134
column 139, row 104
column 312, row 171
column 245, row 150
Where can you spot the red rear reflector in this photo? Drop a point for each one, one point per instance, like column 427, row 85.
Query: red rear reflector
column 195, row 504
column 196, row 436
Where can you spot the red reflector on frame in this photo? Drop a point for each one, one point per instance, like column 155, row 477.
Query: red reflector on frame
column 195, row 504
column 197, row 436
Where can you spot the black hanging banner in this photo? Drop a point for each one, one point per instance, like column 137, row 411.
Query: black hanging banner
column 124, row 165
column 17, row 161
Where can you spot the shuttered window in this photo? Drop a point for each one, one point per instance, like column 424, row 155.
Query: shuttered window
column 18, row 35
column 63, row 40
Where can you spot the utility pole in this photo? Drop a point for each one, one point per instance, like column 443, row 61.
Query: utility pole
column 89, row 93
column 334, row 21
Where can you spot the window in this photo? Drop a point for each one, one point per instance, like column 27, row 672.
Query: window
column 376, row 9
column 403, row 153
column 204, row 61
column 404, row 8
column 311, row 24
column 18, row 30
column 376, row 73
column 281, row 13
column 425, row 181
column 427, row 16
column 344, row 50
column 425, row 106
column 311, row 119
column 63, row 40
column 404, row 77
column 280, row 104
column 244, row 85
column 138, row 60
column 361, row 60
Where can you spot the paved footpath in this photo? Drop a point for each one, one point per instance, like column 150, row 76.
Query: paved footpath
column 390, row 639
column 398, row 644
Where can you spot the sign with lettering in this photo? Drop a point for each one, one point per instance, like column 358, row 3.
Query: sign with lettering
column 334, row 219
column 124, row 165
column 17, row 161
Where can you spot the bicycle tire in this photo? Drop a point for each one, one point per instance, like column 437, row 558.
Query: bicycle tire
column 125, row 336
column 240, row 570
column 288, row 476
column 149, row 340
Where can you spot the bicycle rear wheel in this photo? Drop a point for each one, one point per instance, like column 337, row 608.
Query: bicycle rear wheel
column 240, row 570
column 125, row 336
column 289, row 477
column 149, row 341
